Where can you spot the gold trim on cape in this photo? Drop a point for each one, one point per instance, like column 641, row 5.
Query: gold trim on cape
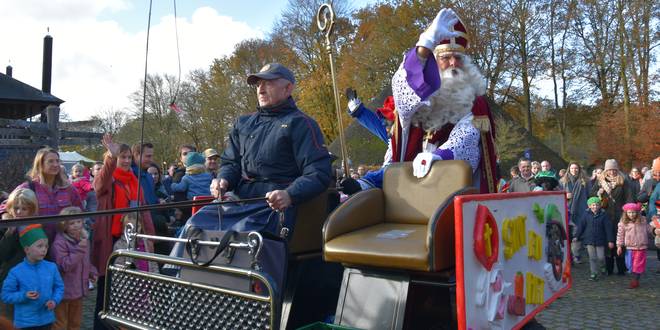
column 482, row 123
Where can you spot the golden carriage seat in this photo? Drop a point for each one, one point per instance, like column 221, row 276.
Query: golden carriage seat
column 409, row 224
column 310, row 217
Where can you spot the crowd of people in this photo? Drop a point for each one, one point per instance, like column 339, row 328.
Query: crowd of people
column 46, row 270
column 612, row 214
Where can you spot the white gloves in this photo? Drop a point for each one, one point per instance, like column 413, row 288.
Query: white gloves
column 354, row 104
column 440, row 29
column 353, row 101
column 422, row 163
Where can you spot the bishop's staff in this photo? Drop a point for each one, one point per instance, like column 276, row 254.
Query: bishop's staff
column 325, row 20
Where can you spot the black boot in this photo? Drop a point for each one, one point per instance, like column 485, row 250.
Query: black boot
column 609, row 265
column 621, row 265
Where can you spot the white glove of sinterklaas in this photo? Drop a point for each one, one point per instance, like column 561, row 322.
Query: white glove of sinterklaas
column 440, row 29
column 422, row 163
column 353, row 104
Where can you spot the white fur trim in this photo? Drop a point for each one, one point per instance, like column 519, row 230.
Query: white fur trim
column 464, row 141
column 453, row 100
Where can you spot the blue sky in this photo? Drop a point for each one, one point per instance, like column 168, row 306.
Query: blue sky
column 258, row 14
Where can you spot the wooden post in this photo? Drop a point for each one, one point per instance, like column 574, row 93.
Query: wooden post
column 53, row 117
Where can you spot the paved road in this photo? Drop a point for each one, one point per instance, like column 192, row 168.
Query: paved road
column 605, row 304
column 88, row 311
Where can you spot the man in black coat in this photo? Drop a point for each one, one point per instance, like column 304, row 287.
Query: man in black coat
column 277, row 152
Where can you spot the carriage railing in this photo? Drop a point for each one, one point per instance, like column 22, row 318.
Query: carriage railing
column 43, row 219
column 253, row 244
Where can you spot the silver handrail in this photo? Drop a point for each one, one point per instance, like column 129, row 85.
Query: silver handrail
column 253, row 244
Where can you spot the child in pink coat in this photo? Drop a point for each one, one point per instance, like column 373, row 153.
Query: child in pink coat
column 71, row 253
column 81, row 182
column 633, row 233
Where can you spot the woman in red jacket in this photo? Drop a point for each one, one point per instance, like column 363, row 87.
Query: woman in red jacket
column 116, row 187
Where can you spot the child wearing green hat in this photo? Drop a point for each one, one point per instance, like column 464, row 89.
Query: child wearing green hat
column 595, row 231
column 34, row 286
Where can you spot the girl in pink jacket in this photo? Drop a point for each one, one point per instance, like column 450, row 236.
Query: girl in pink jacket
column 81, row 182
column 71, row 253
column 633, row 233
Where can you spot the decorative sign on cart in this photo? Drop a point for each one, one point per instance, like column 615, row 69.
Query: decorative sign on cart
column 512, row 257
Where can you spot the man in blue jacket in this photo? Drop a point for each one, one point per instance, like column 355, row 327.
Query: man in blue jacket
column 277, row 152
column 144, row 154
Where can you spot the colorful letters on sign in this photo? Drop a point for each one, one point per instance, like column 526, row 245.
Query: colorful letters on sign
column 513, row 235
column 534, row 286
column 535, row 247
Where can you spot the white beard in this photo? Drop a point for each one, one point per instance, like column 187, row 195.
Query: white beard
column 454, row 99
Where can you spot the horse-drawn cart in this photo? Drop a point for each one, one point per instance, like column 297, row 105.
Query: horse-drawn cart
column 418, row 254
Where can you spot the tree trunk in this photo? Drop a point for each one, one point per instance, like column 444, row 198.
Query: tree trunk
column 639, row 48
column 553, row 74
column 645, row 52
column 624, row 80
column 524, row 67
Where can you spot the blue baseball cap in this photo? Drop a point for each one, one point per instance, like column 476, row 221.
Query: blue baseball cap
column 271, row 71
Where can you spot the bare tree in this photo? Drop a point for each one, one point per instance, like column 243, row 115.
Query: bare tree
column 490, row 43
column 561, row 13
column 161, row 125
column 526, row 35
column 110, row 120
column 64, row 116
column 595, row 27
column 624, row 80
column 640, row 40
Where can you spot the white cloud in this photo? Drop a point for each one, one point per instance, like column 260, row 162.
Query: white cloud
column 97, row 64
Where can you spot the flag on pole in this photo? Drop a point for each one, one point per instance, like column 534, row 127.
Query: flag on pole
column 174, row 107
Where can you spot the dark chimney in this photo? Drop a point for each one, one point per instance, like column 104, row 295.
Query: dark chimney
column 48, row 64
column 9, row 70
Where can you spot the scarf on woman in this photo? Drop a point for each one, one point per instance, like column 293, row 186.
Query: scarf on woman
column 608, row 183
column 125, row 191
column 574, row 186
